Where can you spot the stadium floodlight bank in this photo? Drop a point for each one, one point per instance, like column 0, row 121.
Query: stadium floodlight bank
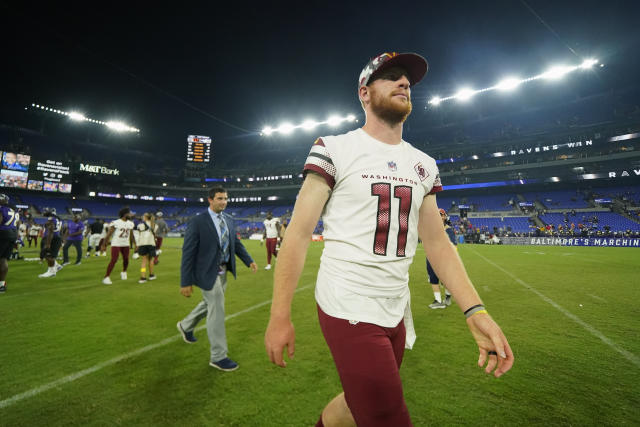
column 510, row 83
column 79, row 117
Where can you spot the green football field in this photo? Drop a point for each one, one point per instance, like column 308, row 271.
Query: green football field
column 76, row 352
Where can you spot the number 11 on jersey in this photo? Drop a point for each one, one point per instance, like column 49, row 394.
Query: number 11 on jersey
column 383, row 218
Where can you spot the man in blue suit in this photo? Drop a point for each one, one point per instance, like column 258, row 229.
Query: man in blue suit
column 209, row 250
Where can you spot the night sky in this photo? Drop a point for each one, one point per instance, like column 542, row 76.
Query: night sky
column 171, row 71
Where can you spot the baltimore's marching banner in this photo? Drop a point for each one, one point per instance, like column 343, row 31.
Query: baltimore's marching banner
column 620, row 242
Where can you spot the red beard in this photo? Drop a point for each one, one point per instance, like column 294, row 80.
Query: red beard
column 388, row 109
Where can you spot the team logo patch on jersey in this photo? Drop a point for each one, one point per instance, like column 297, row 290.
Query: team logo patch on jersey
column 392, row 166
column 421, row 171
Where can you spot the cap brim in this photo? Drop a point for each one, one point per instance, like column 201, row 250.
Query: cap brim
column 415, row 65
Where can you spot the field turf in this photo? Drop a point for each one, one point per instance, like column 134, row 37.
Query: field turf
column 76, row 352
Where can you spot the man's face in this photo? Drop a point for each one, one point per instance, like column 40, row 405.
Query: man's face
column 76, row 218
column 9, row 158
column 219, row 202
column 390, row 95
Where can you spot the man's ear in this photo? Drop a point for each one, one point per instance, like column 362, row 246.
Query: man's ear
column 364, row 94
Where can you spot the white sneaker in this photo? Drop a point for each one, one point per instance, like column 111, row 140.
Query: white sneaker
column 447, row 300
column 58, row 267
column 123, row 275
column 159, row 251
column 435, row 305
column 47, row 274
column 65, row 263
column 103, row 254
column 107, row 281
column 97, row 254
column 268, row 267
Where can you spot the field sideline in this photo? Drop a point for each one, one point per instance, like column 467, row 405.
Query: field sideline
column 76, row 352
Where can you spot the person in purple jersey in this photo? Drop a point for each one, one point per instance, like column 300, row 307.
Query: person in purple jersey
column 51, row 242
column 433, row 277
column 8, row 235
column 73, row 235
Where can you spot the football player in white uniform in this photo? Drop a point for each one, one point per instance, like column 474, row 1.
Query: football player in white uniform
column 122, row 231
column 376, row 195
column 271, row 236
column 34, row 232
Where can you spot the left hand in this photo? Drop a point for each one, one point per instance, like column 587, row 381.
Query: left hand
column 254, row 267
column 489, row 337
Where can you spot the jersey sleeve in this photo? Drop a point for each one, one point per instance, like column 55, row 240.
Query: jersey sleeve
column 437, row 184
column 319, row 161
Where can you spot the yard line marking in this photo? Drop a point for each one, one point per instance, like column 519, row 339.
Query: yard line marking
column 626, row 354
column 52, row 290
column 72, row 377
column 597, row 297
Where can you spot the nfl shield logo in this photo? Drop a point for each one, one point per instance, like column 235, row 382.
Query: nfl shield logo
column 420, row 170
column 392, row 166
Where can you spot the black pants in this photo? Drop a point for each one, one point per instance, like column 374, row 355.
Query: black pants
column 65, row 250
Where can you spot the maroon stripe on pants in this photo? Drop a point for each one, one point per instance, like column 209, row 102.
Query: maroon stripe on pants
column 368, row 359
column 115, row 252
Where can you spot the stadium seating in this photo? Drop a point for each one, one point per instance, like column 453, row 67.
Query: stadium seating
column 42, row 203
column 518, row 224
column 615, row 221
column 565, row 199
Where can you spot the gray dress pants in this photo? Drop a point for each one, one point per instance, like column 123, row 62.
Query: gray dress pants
column 212, row 308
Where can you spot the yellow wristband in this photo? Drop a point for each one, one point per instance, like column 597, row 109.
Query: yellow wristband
column 479, row 311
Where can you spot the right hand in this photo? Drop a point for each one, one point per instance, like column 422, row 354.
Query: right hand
column 490, row 337
column 280, row 334
column 186, row 291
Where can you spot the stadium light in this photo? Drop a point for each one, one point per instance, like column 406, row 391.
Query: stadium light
column 309, row 124
column 558, row 72
column 588, row 63
column 79, row 117
column 508, row 84
column 554, row 73
column 76, row 116
column 287, row 128
column 464, row 94
column 334, row 121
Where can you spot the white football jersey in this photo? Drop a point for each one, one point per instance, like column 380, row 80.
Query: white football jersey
column 145, row 235
column 271, row 226
column 23, row 229
column 34, row 230
column 123, row 229
column 370, row 224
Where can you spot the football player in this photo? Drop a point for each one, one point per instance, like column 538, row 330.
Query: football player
column 8, row 236
column 122, row 232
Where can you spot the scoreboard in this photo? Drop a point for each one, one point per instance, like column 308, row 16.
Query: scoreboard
column 198, row 149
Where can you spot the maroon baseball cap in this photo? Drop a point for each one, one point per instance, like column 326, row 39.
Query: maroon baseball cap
column 415, row 65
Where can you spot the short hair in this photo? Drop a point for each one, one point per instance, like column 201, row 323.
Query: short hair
column 214, row 190
column 123, row 212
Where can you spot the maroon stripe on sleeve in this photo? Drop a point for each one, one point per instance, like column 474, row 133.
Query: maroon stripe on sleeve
column 328, row 178
column 435, row 190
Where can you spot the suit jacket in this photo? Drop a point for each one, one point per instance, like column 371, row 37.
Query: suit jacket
column 201, row 252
